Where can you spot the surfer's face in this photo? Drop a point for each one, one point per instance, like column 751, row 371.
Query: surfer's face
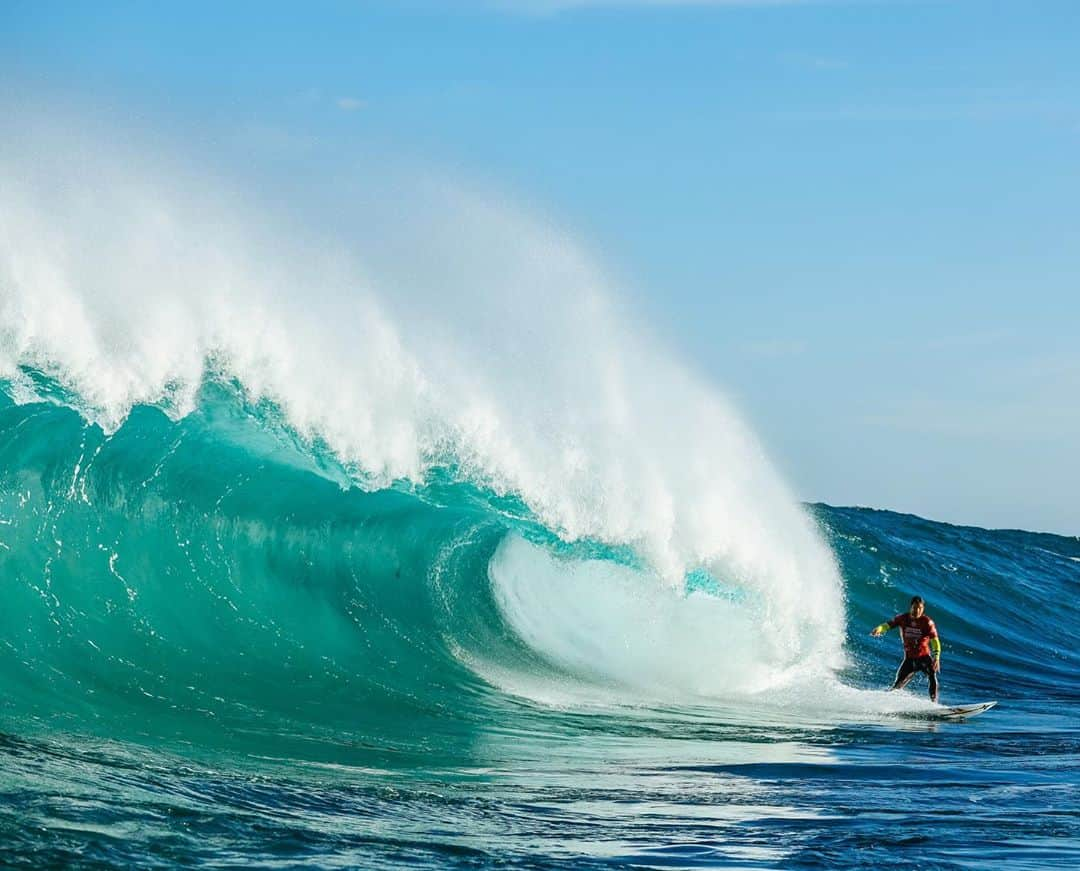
column 916, row 610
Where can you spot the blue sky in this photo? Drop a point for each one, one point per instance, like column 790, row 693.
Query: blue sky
column 862, row 219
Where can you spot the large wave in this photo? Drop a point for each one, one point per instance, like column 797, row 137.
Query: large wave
column 241, row 454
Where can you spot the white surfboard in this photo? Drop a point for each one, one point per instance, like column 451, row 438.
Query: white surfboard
column 953, row 712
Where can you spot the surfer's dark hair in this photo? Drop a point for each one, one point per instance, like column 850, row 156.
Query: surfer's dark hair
column 917, row 600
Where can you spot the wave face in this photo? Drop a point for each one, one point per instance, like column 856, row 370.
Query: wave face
column 215, row 574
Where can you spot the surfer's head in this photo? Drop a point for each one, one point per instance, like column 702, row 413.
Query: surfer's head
column 917, row 606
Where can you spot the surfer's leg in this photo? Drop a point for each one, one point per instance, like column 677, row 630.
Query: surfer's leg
column 925, row 664
column 904, row 674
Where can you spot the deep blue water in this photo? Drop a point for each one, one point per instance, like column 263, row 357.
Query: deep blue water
column 213, row 653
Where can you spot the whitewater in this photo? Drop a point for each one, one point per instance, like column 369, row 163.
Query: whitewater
column 370, row 538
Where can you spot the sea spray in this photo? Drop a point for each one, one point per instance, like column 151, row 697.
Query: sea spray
column 124, row 280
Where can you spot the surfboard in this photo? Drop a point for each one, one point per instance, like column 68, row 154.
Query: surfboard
column 968, row 710
column 955, row 712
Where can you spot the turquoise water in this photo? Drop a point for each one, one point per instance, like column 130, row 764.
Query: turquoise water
column 219, row 646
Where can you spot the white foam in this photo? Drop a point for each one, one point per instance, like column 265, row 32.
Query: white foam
column 620, row 627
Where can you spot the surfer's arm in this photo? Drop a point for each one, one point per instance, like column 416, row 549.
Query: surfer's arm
column 882, row 629
column 935, row 645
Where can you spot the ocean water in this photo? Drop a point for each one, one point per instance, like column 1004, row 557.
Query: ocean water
column 323, row 551
column 212, row 653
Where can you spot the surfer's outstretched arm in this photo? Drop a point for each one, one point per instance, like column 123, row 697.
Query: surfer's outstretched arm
column 882, row 628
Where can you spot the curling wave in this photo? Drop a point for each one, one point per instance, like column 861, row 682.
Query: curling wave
column 251, row 465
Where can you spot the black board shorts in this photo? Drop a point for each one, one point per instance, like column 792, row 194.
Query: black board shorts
column 925, row 664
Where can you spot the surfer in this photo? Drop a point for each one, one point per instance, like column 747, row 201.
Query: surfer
column 922, row 647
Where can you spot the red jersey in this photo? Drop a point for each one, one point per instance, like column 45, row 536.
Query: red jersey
column 916, row 633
